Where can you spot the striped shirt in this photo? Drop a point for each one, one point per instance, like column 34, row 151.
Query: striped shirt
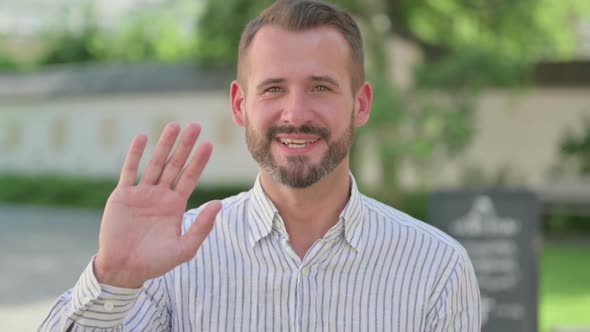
column 377, row 269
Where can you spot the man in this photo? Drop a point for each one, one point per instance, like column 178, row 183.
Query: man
column 303, row 250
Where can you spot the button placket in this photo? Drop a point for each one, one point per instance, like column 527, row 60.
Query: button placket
column 305, row 271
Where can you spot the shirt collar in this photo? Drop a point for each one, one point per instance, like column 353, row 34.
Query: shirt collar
column 263, row 215
column 352, row 215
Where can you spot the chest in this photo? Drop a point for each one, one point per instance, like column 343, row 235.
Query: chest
column 268, row 288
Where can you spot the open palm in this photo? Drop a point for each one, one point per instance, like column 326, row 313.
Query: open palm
column 140, row 235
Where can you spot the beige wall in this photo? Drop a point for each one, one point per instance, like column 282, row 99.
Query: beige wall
column 90, row 135
column 521, row 132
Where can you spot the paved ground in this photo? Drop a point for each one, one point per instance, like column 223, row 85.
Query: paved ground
column 42, row 252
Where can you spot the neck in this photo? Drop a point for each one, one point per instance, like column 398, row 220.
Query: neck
column 310, row 212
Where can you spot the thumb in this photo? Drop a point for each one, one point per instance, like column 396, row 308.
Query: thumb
column 191, row 241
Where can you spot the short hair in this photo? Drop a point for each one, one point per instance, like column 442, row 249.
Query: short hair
column 300, row 15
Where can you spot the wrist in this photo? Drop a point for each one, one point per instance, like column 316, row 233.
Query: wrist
column 104, row 274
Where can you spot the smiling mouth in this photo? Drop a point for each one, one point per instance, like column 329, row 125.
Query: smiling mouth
column 297, row 143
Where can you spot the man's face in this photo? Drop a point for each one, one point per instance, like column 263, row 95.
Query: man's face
column 298, row 107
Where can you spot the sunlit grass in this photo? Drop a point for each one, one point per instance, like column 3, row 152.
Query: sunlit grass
column 565, row 287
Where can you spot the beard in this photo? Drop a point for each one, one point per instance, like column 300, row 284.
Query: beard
column 299, row 172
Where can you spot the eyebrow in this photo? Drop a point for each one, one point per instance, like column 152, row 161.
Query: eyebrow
column 270, row 81
column 326, row 79
column 315, row 78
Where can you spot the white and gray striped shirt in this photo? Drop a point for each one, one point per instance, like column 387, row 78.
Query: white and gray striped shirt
column 377, row 269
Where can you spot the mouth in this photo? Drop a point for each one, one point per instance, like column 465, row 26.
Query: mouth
column 297, row 143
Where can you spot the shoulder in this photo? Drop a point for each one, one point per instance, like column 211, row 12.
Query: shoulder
column 402, row 226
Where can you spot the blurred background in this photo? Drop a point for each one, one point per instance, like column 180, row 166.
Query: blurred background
column 469, row 95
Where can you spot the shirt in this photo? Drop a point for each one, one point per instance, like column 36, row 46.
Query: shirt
column 377, row 269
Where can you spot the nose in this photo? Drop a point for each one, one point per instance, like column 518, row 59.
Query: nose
column 296, row 110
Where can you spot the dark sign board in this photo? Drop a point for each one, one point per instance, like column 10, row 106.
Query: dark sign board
column 500, row 231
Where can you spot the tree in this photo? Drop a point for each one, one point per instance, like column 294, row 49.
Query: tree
column 468, row 44
column 575, row 148
column 148, row 34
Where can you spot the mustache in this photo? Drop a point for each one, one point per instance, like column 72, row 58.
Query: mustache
column 304, row 129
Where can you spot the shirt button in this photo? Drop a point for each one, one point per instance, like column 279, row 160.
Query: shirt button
column 108, row 306
column 305, row 272
column 86, row 299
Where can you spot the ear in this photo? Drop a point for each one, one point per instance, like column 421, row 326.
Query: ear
column 363, row 102
column 237, row 104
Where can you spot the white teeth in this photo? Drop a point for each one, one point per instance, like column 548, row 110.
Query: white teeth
column 297, row 143
column 296, row 146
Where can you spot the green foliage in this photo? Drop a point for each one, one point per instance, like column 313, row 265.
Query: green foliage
column 529, row 29
column 419, row 127
column 11, row 62
column 83, row 192
column 558, row 20
column 480, row 43
column 472, row 70
column 66, row 46
column 72, row 48
column 414, row 203
column 576, row 148
column 8, row 64
column 220, row 26
column 563, row 223
column 149, row 35
column 55, row 190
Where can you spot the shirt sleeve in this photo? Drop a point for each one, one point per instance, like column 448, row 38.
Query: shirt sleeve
column 457, row 307
column 91, row 306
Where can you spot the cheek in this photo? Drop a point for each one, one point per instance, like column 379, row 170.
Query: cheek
column 262, row 113
column 336, row 116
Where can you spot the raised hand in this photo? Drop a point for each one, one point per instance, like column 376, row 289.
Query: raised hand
column 140, row 233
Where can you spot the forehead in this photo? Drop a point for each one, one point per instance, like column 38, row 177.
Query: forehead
column 275, row 51
column 274, row 33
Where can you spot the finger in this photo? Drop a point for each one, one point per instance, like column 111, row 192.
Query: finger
column 191, row 241
column 190, row 175
column 176, row 162
column 131, row 164
column 160, row 155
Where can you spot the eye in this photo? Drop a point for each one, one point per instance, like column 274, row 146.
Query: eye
column 321, row 88
column 274, row 89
